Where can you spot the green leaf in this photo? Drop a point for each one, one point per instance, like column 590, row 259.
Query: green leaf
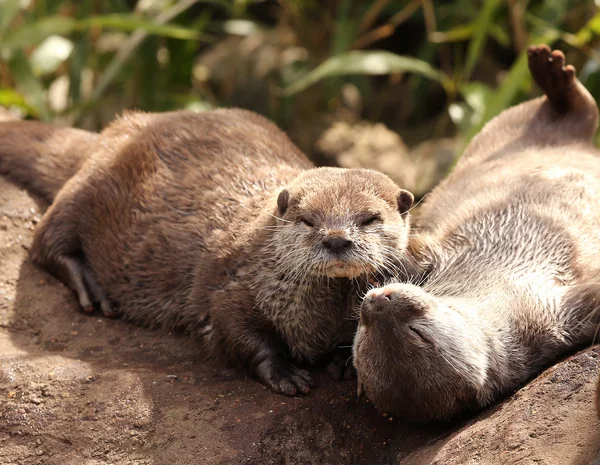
column 10, row 97
column 366, row 63
column 130, row 22
column 77, row 65
column 482, row 28
column 455, row 34
column 36, row 32
column 28, row 83
column 8, row 10
column 500, row 35
column 32, row 34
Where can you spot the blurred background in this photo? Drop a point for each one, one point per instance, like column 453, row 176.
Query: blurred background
column 400, row 86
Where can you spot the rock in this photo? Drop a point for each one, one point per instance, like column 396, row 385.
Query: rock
column 368, row 145
column 551, row 420
column 243, row 70
column 433, row 162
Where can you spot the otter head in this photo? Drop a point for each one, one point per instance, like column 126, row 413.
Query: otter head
column 417, row 358
column 334, row 222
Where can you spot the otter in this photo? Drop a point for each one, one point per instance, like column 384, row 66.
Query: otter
column 507, row 248
column 213, row 222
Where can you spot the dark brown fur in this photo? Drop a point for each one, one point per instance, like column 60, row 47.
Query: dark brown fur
column 183, row 220
column 509, row 249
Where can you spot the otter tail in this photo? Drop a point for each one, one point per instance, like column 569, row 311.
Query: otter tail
column 39, row 157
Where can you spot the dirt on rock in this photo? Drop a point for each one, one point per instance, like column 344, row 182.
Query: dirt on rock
column 86, row 390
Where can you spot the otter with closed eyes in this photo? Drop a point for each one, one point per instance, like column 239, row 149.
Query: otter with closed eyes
column 212, row 222
column 509, row 249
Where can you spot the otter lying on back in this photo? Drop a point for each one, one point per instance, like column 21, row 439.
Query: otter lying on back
column 509, row 248
column 214, row 222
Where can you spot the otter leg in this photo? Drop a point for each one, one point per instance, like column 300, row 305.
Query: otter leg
column 565, row 93
column 99, row 297
column 341, row 365
column 246, row 337
column 272, row 368
column 56, row 247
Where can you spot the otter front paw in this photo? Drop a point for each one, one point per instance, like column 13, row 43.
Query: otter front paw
column 283, row 377
column 341, row 366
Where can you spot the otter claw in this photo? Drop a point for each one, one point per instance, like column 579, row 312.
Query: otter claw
column 284, row 378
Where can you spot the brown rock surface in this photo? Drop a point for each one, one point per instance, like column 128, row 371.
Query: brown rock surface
column 368, row 145
column 76, row 390
column 552, row 420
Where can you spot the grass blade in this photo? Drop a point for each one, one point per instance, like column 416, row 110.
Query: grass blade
column 8, row 10
column 125, row 53
column 130, row 22
column 36, row 32
column 482, row 27
column 366, row 63
column 28, row 84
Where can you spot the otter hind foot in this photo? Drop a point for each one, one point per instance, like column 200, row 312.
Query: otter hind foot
column 80, row 278
column 558, row 81
column 279, row 375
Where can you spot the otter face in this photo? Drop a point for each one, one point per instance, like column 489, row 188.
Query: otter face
column 417, row 358
column 343, row 223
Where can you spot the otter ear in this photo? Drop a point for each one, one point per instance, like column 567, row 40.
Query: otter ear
column 405, row 201
column 283, row 201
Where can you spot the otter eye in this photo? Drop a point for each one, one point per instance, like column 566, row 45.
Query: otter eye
column 370, row 220
column 419, row 334
column 307, row 223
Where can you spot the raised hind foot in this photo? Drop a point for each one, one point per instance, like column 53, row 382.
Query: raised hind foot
column 559, row 82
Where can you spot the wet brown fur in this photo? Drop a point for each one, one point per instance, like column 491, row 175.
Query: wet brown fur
column 175, row 217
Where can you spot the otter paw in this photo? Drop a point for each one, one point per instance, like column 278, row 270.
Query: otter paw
column 554, row 78
column 284, row 378
column 341, row 365
column 97, row 294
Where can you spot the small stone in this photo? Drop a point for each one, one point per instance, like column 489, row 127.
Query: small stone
column 39, row 452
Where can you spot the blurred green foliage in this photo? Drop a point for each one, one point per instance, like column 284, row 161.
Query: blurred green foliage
column 422, row 67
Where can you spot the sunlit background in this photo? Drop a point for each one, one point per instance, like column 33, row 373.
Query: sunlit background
column 395, row 85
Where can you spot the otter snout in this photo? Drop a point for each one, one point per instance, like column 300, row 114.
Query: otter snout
column 391, row 301
column 337, row 245
column 376, row 300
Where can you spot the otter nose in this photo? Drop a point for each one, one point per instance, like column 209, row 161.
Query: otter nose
column 376, row 301
column 337, row 244
column 380, row 294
